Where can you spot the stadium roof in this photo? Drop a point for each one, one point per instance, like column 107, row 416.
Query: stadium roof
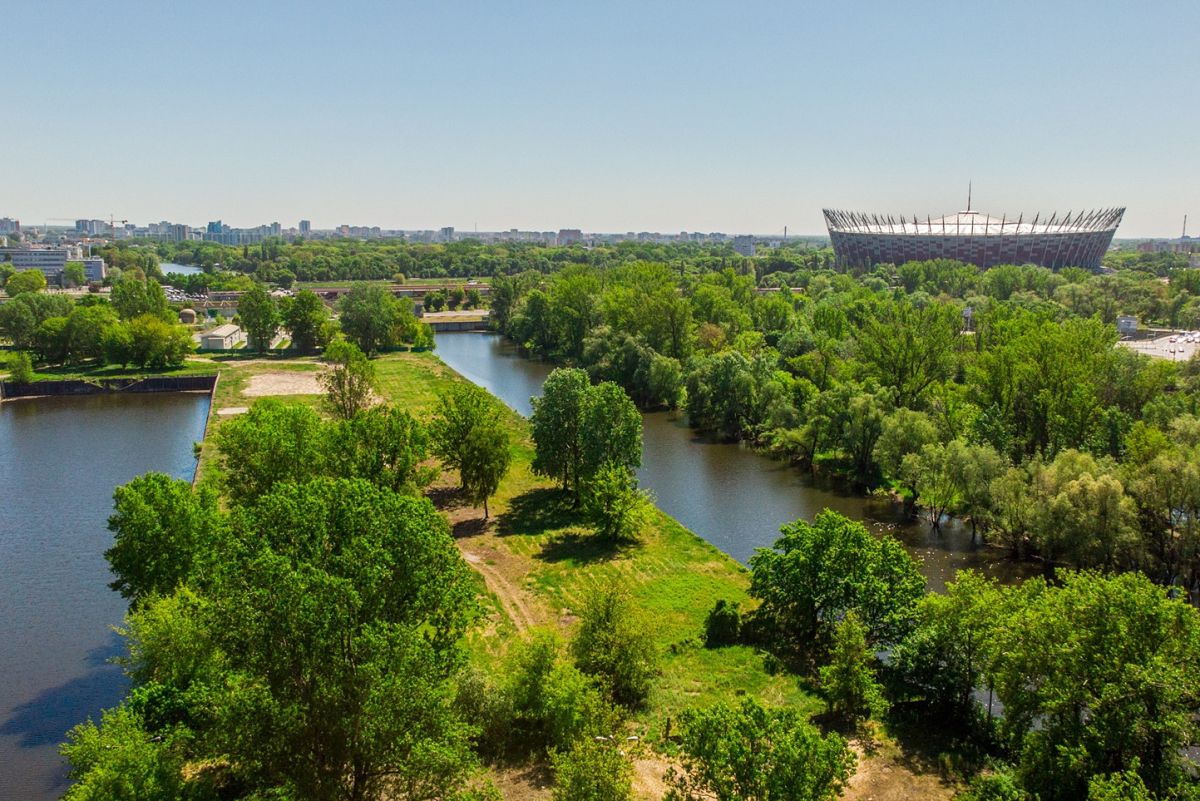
column 973, row 223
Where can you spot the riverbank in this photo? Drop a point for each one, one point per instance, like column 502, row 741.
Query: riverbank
column 537, row 560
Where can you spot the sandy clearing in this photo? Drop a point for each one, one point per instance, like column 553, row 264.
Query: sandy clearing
column 880, row 777
column 266, row 384
column 232, row 410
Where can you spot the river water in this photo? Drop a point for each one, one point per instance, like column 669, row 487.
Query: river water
column 60, row 459
column 727, row 493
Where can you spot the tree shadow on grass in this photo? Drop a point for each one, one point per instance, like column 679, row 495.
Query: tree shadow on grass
column 581, row 548
column 471, row 527
column 539, row 511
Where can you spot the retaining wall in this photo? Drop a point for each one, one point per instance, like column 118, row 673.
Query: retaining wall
column 183, row 383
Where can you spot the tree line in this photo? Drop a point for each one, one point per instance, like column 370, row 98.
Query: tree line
column 1027, row 419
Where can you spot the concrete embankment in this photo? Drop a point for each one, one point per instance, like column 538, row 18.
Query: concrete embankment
column 189, row 383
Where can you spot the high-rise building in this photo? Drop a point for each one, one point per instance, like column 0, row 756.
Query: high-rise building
column 305, row 228
column 214, row 227
column 446, row 234
column 9, row 226
column 569, row 236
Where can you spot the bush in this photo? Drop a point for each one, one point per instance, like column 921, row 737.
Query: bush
column 20, row 368
column 723, row 624
column 615, row 648
column 592, row 771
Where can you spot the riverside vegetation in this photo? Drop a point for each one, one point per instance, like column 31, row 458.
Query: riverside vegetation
column 308, row 576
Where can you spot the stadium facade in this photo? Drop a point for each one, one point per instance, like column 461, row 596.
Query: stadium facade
column 1076, row 240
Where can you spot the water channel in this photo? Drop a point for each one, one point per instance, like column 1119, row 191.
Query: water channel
column 727, row 493
column 60, row 459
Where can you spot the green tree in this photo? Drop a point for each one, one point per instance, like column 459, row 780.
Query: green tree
column 486, row 455
column 848, row 682
column 911, row 348
column 944, row 656
column 306, row 320
column 20, row 368
column 1097, row 676
column 592, row 771
column 21, row 316
column 903, row 432
column 273, row 442
column 817, row 572
column 86, row 329
column 463, row 408
column 371, row 316
column 750, row 753
column 260, row 317
column 74, row 274
column 615, row 647
column 134, row 296
column 384, row 445
column 350, row 382
column 155, row 343
column 120, row 759
column 26, row 281
column 610, row 430
column 556, row 425
column 343, row 628
column 616, row 506
column 161, row 527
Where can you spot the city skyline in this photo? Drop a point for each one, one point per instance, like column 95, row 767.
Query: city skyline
column 666, row 118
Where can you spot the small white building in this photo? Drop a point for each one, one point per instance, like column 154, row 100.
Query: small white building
column 1127, row 325
column 224, row 337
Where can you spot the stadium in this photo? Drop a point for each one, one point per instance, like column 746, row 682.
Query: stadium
column 1079, row 240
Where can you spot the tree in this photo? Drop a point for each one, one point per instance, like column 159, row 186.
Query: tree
column 86, row 329
column 26, row 281
column 944, row 656
column 911, row 348
column 383, row 444
column 371, row 317
column 461, row 409
column 21, row 316
column 815, row 573
column 486, row 455
column 592, row 771
column 74, row 274
column 615, row 504
column 273, row 442
column 306, row 320
column 615, row 648
column 351, row 381
column 260, row 317
column 556, row 423
column 1097, row 676
column 343, row 628
column 750, row 753
column 610, row 431
column 20, row 368
column 851, row 690
column 903, row 432
column 155, row 343
column 120, row 759
column 162, row 527
column 134, row 296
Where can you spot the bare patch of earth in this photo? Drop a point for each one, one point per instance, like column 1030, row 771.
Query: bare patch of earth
column 266, row 384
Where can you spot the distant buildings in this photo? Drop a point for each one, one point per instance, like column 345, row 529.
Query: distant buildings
column 1127, row 325
column 94, row 268
column 569, row 236
column 743, row 245
column 51, row 261
column 1080, row 240
column 446, row 234
column 305, row 228
column 9, row 226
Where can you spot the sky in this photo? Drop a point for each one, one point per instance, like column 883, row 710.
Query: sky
column 606, row 116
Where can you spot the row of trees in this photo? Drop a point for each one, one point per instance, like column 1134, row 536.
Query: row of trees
column 136, row 326
column 960, row 413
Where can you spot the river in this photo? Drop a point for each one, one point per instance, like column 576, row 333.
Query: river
column 727, row 493
column 179, row 269
column 60, row 459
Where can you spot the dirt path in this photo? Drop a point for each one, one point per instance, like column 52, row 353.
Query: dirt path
column 513, row 599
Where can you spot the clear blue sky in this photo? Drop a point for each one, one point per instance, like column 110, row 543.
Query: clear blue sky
column 606, row 116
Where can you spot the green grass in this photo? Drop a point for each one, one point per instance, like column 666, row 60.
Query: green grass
column 84, row 372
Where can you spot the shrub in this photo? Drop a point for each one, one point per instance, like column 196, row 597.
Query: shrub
column 592, row 771
column 616, row 648
column 20, row 368
column 723, row 624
